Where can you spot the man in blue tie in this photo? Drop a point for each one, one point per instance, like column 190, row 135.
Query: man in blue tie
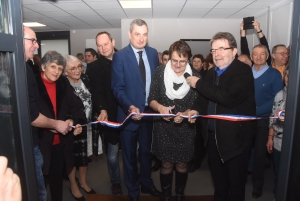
column 132, row 69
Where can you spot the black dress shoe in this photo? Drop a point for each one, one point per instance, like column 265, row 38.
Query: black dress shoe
column 152, row 191
column 76, row 198
column 256, row 193
column 79, row 186
column 90, row 192
column 134, row 199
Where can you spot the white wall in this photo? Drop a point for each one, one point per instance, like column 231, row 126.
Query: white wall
column 78, row 38
column 281, row 21
column 275, row 24
column 163, row 32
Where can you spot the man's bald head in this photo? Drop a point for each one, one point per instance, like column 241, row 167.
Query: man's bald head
column 30, row 42
column 245, row 59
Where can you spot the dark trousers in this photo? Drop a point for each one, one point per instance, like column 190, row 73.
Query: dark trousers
column 276, row 157
column 129, row 140
column 199, row 149
column 55, row 176
column 260, row 155
column 228, row 177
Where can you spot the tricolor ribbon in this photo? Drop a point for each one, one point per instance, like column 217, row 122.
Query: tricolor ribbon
column 227, row 117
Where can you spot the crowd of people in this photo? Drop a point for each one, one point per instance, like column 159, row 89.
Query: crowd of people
column 66, row 92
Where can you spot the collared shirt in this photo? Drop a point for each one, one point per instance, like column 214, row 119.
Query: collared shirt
column 220, row 71
column 280, row 69
column 147, row 68
column 261, row 71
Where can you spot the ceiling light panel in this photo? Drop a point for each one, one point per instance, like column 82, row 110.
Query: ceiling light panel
column 33, row 24
column 136, row 4
column 166, row 5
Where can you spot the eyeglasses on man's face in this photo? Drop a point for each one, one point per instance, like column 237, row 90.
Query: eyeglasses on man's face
column 33, row 40
column 283, row 53
column 221, row 50
column 181, row 62
column 73, row 69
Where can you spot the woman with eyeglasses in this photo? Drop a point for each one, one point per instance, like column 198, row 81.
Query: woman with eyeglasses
column 173, row 137
column 57, row 101
column 82, row 143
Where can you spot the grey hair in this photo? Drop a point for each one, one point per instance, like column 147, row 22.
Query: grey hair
column 225, row 36
column 260, row 46
column 138, row 22
column 53, row 57
column 274, row 49
column 70, row 59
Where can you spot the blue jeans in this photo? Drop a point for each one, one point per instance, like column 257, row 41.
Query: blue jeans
column 38, row 158
column 113, row 163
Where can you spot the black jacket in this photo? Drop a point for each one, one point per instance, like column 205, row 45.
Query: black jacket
column 233, row 95
column 69, row 106
column 99, row 74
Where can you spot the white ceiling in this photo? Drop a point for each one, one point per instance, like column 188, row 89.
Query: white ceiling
column 59, row 15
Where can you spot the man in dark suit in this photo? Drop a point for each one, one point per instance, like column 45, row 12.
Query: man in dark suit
column 132, row 69
column 105, row 104
column 227, row 88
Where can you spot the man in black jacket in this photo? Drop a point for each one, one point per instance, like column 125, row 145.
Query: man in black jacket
column 105, row 104
column 37, row 119
column 227, row 89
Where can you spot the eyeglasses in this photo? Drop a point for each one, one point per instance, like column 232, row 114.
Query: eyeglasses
column 283, row 53
column 181, row 62
column 33, row 40
column 221, row 50
column 73, row 69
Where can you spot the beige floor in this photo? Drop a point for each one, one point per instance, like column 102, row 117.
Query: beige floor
column 199, row 182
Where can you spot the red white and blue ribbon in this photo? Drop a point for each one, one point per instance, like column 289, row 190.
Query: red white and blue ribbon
column 226, row 117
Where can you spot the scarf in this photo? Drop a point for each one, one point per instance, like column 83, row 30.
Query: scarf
column 171, row 79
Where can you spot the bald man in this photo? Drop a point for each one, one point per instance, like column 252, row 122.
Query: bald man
column 37, row 119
